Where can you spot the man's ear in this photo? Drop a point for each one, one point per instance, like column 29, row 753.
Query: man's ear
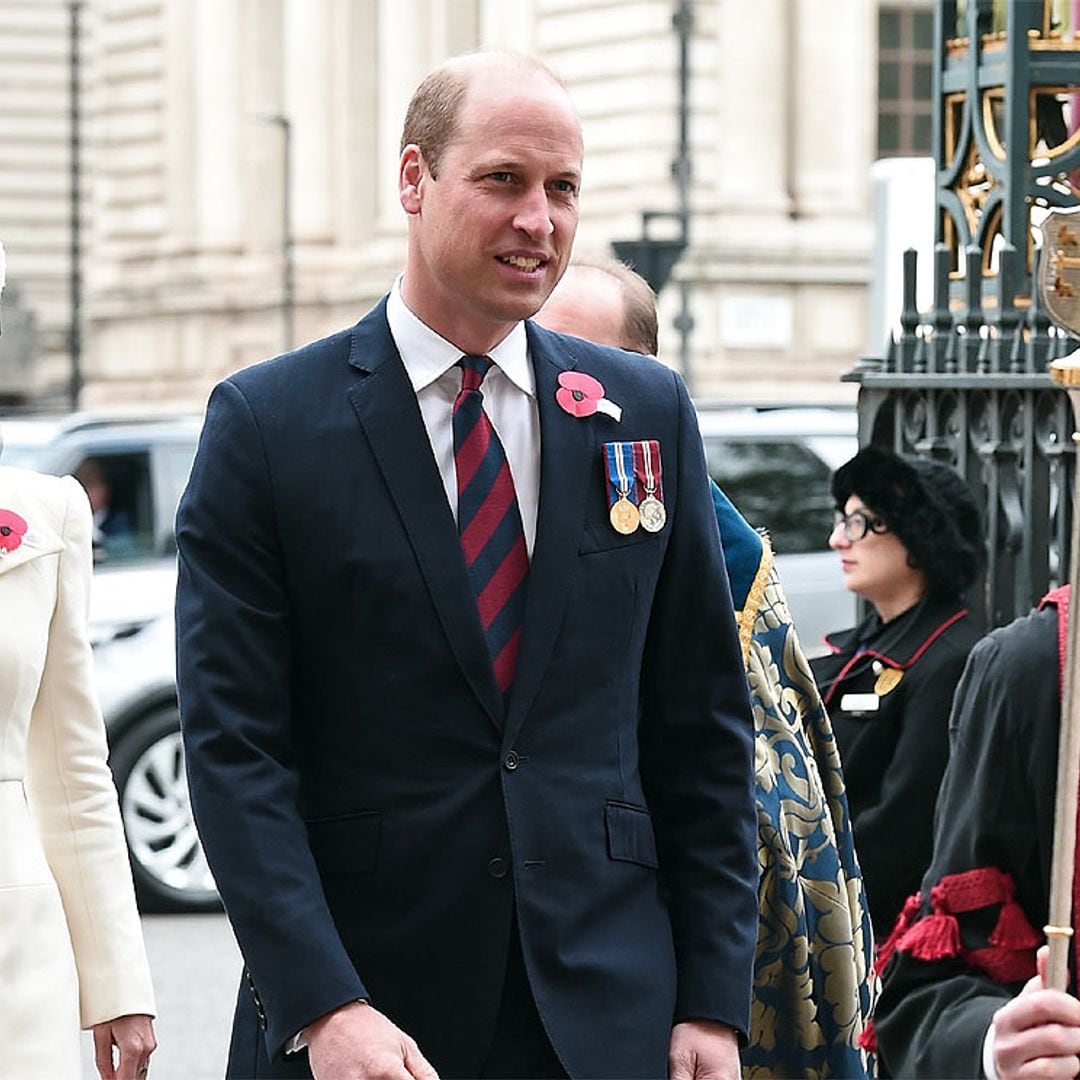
column 411, row 172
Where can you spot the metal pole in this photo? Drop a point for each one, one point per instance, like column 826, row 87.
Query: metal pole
column 684, row 24
column 683, row 21
column 75, row 382
column 1059, row 929
column 288, row 268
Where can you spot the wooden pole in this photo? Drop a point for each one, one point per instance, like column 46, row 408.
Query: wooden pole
column 1059, row 931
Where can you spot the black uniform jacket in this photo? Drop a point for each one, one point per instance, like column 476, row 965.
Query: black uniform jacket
column 888, row 688
column 996, row 810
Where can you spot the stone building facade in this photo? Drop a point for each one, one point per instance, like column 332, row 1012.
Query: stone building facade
column 183, row 173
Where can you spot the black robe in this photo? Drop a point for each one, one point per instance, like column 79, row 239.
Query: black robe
column 893, row 742
column 996, row 810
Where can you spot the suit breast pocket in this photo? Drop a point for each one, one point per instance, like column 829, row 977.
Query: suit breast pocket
column 603, row 537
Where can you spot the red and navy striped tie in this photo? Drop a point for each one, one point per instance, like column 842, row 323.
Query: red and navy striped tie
column 489, row 522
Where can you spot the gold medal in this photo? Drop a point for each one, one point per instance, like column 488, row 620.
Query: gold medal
column 624, row 516
column 652, row 514
column 888, row 679
column 623, row 513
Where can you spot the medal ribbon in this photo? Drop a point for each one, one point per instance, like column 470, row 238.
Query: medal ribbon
column 647, row 467
column 620, row 471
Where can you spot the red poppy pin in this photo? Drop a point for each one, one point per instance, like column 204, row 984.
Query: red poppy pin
column 581, row 395
column 12, row 530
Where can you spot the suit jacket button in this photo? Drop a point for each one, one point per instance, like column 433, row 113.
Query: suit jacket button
column 497, row 868
column 511, row 761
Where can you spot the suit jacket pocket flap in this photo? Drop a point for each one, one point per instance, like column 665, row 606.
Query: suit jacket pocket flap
column 603, row 537
column 346, row 845
column 630, row 834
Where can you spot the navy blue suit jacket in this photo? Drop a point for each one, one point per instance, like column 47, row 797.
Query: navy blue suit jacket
column 348, row 751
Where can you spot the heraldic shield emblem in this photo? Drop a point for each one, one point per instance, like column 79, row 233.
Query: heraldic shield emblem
column 1059, row 268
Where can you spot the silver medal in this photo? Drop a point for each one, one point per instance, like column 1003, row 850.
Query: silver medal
column 652, row 513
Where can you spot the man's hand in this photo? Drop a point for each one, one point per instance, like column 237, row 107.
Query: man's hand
column 1038, row 1032
column 133, row 1037
column 356, row 1042
column 703, row 1050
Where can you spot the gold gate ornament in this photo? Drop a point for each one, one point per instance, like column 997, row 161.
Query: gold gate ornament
column 1059, row 268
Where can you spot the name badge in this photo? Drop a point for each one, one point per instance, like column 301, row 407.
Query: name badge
column 860, row 703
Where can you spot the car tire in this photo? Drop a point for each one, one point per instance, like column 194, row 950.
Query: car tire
column 167, row 860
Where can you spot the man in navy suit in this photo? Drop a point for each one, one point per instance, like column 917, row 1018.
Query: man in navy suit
column 494, row 813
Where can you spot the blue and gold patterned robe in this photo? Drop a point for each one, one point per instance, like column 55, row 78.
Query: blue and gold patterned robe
column 814, row 985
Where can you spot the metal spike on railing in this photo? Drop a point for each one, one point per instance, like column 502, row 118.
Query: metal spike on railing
column 1064, row 343
column 1038, row 338
column 919, row 360
column 982, row 360
column 892, row 353
column 1054, row 347
column 972, row 320
column 941, row 318
column 1018, row 351
column 909, row 313
column 952, row 348
column 1007, row 316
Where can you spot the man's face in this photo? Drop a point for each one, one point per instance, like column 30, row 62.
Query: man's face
column 588, row 304
column 489, row 239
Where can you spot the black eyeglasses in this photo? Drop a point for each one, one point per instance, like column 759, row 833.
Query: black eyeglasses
column 857, row 524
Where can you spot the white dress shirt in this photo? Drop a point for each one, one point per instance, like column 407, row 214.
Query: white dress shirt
column 509, row 390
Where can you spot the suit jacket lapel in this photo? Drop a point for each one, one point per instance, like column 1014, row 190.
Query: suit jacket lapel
column 567, row 446
column 386, row 405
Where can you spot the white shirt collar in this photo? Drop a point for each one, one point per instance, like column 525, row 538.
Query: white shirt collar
column 427, row 356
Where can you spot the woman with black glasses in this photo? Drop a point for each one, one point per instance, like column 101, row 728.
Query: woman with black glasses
column 910, row 543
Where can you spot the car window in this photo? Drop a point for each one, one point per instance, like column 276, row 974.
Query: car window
column 172, row 462
column 121, row 498
column 779, row 485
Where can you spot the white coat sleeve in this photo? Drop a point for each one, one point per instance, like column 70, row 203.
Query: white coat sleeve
column 73, row 800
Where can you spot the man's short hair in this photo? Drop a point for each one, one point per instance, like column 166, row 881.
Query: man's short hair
column 431, row 121
column 434, row 113
column 640, row 324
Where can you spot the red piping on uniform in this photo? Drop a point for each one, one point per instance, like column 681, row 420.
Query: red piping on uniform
column 888, row 659
column 1059, row 598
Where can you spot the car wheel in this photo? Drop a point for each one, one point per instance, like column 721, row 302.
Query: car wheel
column 167, row 860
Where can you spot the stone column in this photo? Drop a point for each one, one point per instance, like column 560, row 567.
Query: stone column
column 308, row 100
column 216, row 168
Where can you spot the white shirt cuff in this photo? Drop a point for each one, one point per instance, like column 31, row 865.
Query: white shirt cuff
column 988, row 1054
column 299, row 1040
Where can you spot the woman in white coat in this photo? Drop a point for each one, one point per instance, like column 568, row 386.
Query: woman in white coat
column 71, row 949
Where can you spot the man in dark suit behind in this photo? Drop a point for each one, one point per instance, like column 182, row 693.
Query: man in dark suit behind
column 508, row 814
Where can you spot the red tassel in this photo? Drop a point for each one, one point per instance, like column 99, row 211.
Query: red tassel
column 908, row 913
column 868, row 1038
column 1013, row 931
column 936, row 937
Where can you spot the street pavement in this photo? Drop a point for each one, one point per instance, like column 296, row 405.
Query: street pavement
column 196, row 970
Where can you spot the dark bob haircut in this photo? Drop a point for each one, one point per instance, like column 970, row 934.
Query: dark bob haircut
column 927, row 505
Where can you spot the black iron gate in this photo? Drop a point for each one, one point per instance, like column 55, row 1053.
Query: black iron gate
column 966, row 382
